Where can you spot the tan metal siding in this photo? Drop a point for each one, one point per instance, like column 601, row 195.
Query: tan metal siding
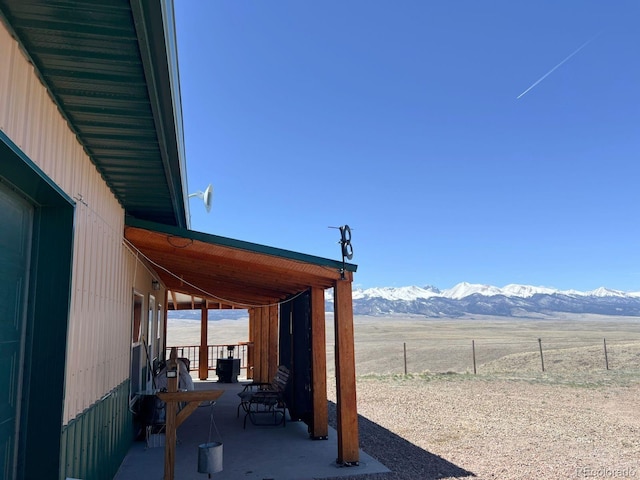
column 104, row 270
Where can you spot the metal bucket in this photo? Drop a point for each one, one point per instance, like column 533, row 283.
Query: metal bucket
column 210, row 457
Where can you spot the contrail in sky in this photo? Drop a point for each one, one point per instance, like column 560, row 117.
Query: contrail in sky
column 557, row 66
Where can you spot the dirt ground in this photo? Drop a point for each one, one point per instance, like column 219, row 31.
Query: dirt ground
column 460, row 426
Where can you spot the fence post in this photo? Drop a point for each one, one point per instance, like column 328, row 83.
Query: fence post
column 473, row 349
column 606, row 357
column 405, row 357
column 541, row 356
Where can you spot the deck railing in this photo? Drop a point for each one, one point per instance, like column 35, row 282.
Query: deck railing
column 192, row 352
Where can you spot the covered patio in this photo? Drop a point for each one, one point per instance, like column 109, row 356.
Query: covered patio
column 283, row 292
column 252, row 453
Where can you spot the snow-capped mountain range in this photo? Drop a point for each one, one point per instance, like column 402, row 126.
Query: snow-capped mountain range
column 511, row 300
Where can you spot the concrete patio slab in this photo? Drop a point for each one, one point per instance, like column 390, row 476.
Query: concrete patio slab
column 257, row 452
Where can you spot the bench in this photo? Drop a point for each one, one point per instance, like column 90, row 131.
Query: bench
column 265, row 400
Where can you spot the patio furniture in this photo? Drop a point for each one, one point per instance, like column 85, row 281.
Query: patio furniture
column 265, row 400
column 227, row 370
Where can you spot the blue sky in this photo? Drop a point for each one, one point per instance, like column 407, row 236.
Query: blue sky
column 401, row 119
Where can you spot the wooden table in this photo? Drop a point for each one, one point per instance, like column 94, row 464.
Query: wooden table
column 174, row 419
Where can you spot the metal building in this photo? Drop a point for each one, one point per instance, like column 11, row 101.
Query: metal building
column 92, row 183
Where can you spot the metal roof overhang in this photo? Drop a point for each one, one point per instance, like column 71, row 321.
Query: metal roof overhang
column 111, row 67
column 229, row 273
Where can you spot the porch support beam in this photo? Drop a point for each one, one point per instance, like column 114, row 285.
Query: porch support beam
column 255, row 318
column 264, row 344
column 347, row 411
column 320, row 424
column 203, row 359
column 251, row 345
column 272, row 314
column 163, row 347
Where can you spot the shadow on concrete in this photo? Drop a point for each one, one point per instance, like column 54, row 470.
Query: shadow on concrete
column 405, row 460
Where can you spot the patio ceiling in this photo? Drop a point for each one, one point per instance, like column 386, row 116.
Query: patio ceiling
column 228, row 273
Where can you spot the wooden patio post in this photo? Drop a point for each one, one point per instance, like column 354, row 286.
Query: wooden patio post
column 320, row 425
column 191, row 400
column 164, row 324
column 347, row 409
column 171, row 409
column 203, row 359
column 255, row 315
column 264, row 344
column 273, row 340
column 251, row 345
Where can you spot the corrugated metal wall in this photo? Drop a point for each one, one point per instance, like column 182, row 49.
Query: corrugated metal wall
column 104, row 270
column 100, row 318
column 95, row 441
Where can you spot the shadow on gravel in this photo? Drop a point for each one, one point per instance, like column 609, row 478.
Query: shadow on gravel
column 405, row 460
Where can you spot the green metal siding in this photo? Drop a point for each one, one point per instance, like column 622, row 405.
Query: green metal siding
column 94, row 443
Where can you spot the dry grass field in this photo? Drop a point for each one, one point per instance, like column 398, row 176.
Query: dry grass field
column 510, row 421
column 501, row 344
column 569, row 343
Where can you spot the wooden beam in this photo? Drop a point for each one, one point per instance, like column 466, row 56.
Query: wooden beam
column 203, row 359
column 171, row 409
column 174, row 300
column 320, row 425
column 250, row 345
column 264, row 344
column 273, row 341
column 164, row 324
column 347, row 409
column 254, row 316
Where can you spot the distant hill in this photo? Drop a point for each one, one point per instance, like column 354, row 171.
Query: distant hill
column 509, row 301
column 213, row 314
column 469, row 299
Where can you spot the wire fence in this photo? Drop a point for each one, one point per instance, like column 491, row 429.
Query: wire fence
column 488, row 356
column 484, row 356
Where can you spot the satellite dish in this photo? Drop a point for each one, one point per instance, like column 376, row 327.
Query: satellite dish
column 206, row 196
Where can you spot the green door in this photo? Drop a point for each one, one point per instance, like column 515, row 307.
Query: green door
column 16, row 219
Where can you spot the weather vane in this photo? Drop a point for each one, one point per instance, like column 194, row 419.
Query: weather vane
column 345, row 246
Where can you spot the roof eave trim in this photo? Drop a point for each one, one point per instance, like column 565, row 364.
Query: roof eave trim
column 155, row 29
column 239, row 244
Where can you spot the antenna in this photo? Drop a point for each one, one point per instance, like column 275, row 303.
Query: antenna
column 206, row 196
column 345, row 245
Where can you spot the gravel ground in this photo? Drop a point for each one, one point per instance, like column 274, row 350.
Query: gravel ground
column 460, row 426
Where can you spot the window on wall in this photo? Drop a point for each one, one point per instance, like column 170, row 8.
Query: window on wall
column 136, row 318
column 150, row 335
column 136, row 344
column 159, row 330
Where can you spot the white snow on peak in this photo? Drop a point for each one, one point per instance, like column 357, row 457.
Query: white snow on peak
column 465, row 289
column 573, row 293
column 395, row 293
column 525, row 291
column 606, row 292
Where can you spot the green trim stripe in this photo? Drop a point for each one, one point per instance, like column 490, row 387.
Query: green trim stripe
column 94, row 443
